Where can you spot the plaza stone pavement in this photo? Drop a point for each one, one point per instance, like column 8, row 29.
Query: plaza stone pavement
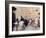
column 30, row 27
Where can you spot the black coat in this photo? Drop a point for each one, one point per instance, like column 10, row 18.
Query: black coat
column 25, row 22
column 13, row 17
column 13, row 20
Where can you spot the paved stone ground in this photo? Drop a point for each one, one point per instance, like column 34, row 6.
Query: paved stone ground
column 30, row 27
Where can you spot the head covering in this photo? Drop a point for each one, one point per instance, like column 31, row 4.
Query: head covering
column 13, row 8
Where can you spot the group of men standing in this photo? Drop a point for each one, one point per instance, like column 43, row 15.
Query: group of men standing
column 19, row 24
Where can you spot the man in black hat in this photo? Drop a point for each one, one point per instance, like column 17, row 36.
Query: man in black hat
column 13, row 17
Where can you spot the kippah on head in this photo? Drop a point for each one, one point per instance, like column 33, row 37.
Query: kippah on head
column 13, row 8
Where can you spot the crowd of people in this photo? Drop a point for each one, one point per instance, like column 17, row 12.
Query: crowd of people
column 21, row 24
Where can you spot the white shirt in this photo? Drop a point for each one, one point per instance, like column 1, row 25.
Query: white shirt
column 36, row 20
column 16, row 23
column 30, row 21
column 21, row 23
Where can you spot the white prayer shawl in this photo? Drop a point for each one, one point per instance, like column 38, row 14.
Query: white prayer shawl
column 20, row 25
column 29, row 21
column 16, row 23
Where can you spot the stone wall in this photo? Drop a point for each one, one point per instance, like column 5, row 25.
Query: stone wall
column 27, row 12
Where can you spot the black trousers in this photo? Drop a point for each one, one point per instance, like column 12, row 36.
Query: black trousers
column 13, row 26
